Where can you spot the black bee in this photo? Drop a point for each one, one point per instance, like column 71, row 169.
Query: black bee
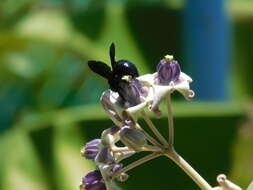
column 114, row 76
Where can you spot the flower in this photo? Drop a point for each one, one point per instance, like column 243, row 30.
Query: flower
column 93, row 181
column 166, row 80
column 90, row 150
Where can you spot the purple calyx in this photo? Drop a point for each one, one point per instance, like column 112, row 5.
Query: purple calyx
column 168, row 71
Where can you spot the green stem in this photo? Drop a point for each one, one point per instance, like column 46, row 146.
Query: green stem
column 170, row 121
column 192, row 173
column 137, row 163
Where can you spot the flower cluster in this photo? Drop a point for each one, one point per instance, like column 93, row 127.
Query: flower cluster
column 126, row 100
column 148, row 90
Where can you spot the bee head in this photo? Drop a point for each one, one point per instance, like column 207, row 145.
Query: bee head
column 125, row 67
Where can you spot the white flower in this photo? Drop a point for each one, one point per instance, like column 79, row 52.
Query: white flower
column 182, row 84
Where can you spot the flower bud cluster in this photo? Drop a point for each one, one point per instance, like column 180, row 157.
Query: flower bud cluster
column 107, row 156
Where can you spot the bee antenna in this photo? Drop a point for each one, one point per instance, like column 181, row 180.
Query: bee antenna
column 112, row 54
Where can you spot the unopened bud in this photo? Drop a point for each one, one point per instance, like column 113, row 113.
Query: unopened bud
column 105, row 156
column 90, row 150
column 133, row 138
column 93, row 181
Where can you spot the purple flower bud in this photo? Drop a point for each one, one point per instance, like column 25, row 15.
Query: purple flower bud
column 90, row 150
column 93, row 181
column 105, row 156
column 168, row 71
column 133, row 138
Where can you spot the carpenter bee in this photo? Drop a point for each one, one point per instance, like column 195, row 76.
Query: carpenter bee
column 115, row 76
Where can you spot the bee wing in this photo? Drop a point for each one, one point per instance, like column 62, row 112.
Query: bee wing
column 100, row 68
column 112, row 55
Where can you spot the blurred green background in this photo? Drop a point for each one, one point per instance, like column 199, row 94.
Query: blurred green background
column 49, row 100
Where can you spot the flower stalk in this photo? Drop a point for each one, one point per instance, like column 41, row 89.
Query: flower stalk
column 170, row 121
column 154, row 129
column 193, row 174
column 137, row 163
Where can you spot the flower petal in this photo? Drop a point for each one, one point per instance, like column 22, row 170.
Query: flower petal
column 111, row 103
column 160, row 92
column 183, row 86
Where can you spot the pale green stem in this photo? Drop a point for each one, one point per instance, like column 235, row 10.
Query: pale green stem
column 193, row 174
column 170, row 121
column 116, row 149
column 153, row 128
column 137, row 163
column 150, row 148
column 119, row 156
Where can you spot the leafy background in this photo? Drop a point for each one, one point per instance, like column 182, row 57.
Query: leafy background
column 50, row 100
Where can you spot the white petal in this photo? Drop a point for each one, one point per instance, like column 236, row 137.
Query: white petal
column 146, row 101
column 185, row 77
column 147, row 79
column 110, row 102
column 159, row 93
column 183, row 86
